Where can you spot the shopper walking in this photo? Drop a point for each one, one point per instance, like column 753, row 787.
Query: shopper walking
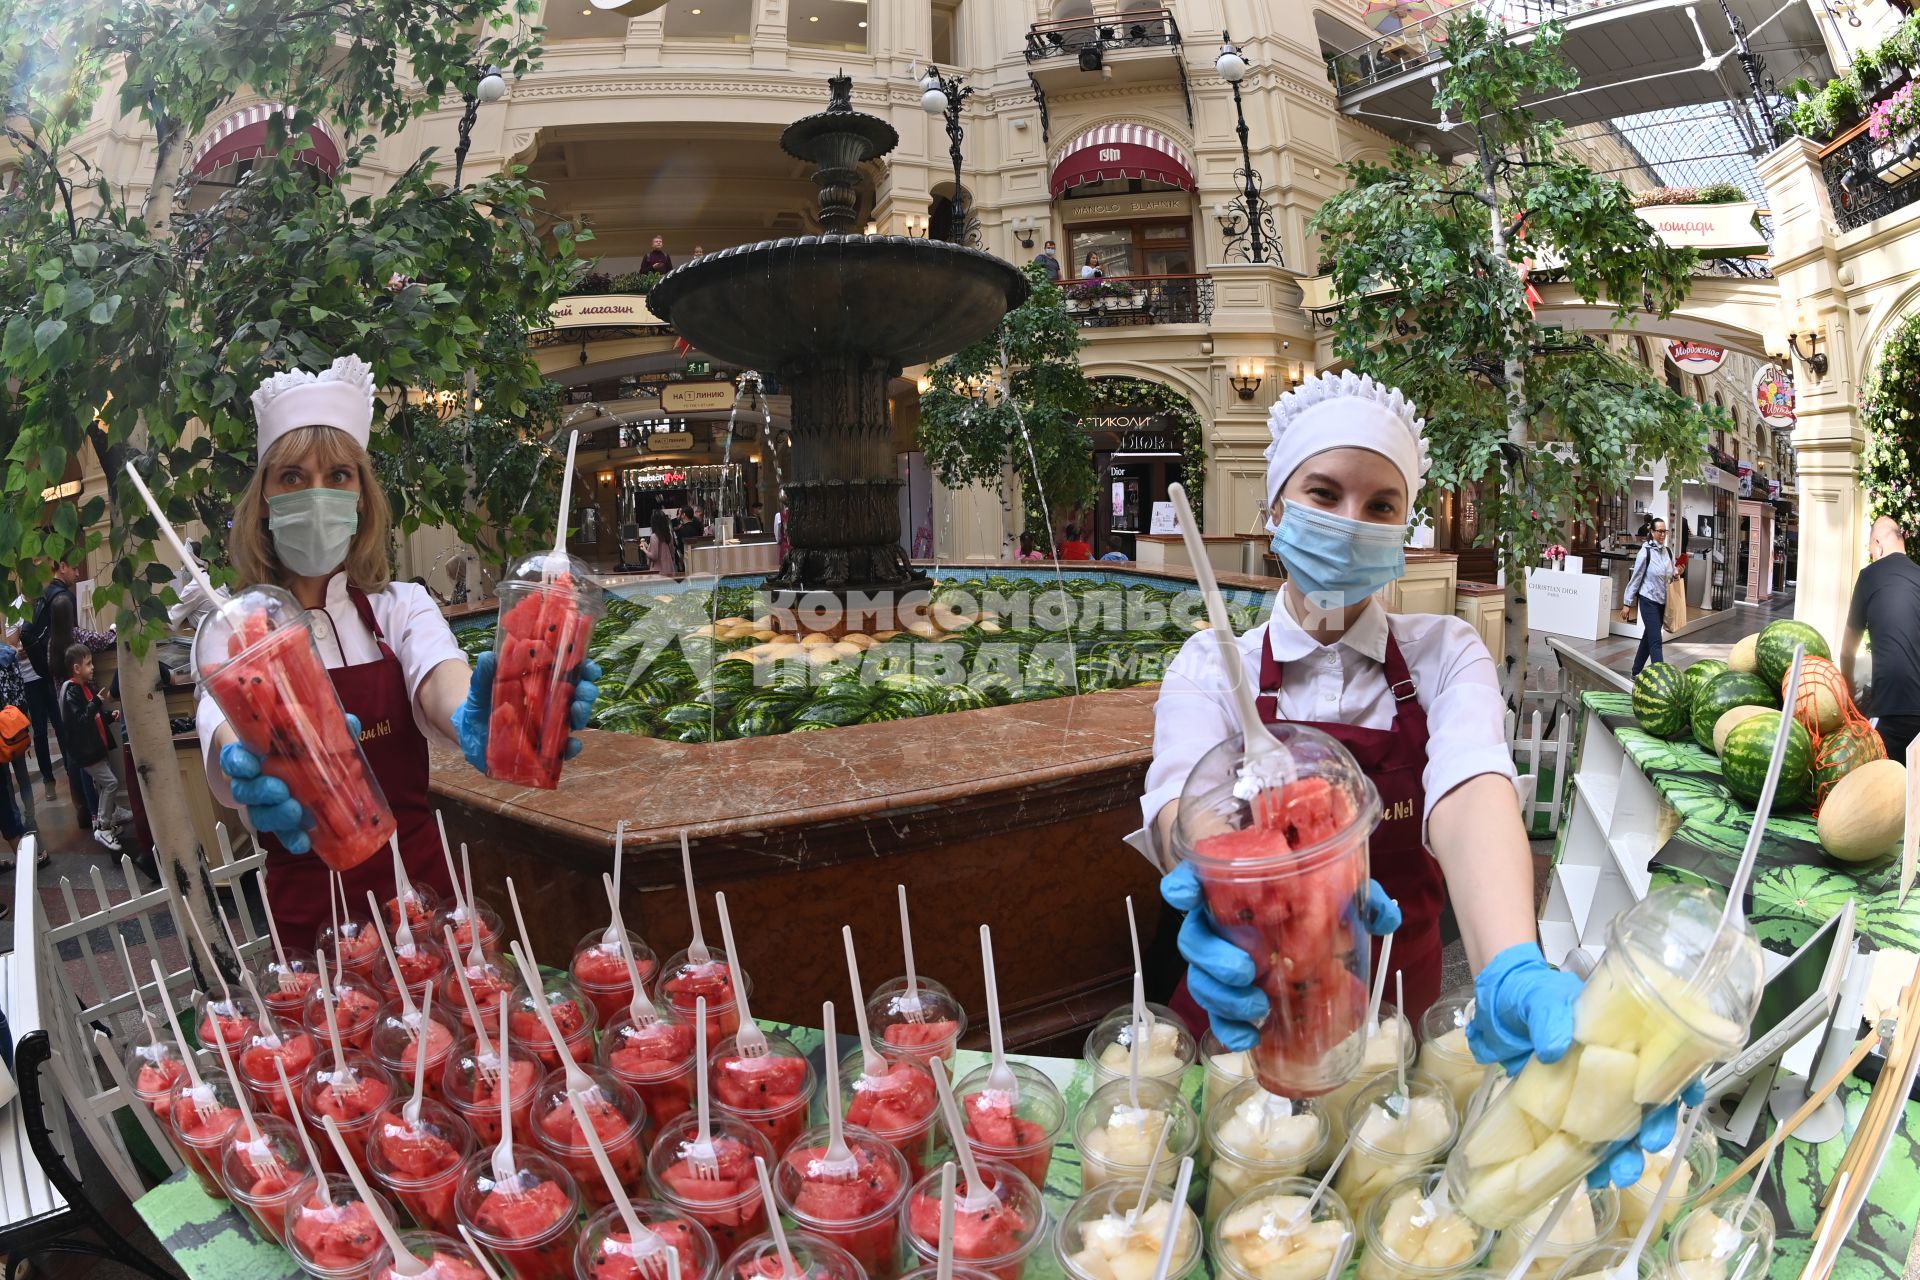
column 1653, row 570
column 39, row 708
column 46, row 638
column 16, row 774
column 91, row 742
column 1886, row 607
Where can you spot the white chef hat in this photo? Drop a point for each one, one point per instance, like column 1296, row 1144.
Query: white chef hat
column 341, row 396
column 1345, row 410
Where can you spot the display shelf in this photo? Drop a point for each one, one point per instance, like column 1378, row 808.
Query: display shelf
column 1599, row 790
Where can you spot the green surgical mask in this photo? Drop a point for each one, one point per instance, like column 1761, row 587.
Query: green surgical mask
column 312, row 528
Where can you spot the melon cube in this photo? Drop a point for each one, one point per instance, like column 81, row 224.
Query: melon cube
column 1542, row 1088
column 1491, row 1193
column 1546, row 1173
column 1602, row 1107
column 1501, row 1136
column 1450, row 1242
column 1608, row 1012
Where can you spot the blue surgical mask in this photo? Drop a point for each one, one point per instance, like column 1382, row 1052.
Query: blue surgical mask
column 312, row 528
column 1337, row 561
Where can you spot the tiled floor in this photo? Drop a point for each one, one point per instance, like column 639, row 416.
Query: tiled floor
column 1711, row 641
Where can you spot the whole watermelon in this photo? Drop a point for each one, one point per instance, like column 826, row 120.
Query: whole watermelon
column 1722, row 694
column 1774, row 650
column 1840, row 753
column 1660, row 700
column 1698, row 674
column 1750, row 748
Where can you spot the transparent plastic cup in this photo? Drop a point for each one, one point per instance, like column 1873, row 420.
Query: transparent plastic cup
column 548, row 605
column 600, row 972
column 353, row 1096
column 998, row 1241
column 284, row 988
column 1257, row 1137
column 464, row 923
column 529, row 1220
column 491, row 981
column 445, row 1258
column 264, row 1175
column 153, row 1068
column 729, row 1205
column 1167, row 1053
column 352, row 948
column 272, row 1048
column 655, row 1059
column 1702, row 1158
column 337, row 1240
column 1101, row 1238
column 419, row 1163
column 201, row 1122
column 395, row 1043
column 233, row 1021
column 1117, row 1140
column 1020, row 1132
column 1390, row 1042
column 1286, row 875
column 1444, row 1053
column 618, row 1116
column 1588, row 1221
column 772, row 1093
column 859, row 1211
column 423, row 908
column 422, row 962
column 1712, row 1240
column 1411, row 1231
column 356, row 1007
column 606, row 1252
column 1267, row 1234
column 813, row 1259
column 1383, row 1147
column 682, row 984
column 572, row 1015
column 932, row 1272
column 1603, row 1263
column 899, row 1105
column 1222, row 1069
column 1671, row 995
column 932, row 1032
column 257, row 661
column 470, row 1084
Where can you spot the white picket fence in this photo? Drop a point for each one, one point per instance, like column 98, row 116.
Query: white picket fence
column 1540, row 735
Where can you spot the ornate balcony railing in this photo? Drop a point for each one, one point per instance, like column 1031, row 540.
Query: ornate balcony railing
column 1414, row 44
column 1133, row 29
column 1120, row 301
column 1870, row 178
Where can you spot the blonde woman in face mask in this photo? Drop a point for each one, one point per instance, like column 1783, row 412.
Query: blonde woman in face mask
column 314, row 520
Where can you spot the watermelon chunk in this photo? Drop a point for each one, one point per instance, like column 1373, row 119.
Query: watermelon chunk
column 900, row 1099
column 337, row 1236
column 543, row 637
column 758, row 1084
column 526, row 1212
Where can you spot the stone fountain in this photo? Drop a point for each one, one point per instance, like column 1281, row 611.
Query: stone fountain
column 835, row 316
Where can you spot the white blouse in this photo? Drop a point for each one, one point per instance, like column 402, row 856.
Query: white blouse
column 1345, row 682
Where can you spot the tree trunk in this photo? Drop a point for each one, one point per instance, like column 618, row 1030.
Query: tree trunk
column 1513, row 661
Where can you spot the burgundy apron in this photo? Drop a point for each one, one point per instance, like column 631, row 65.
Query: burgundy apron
column 376, row 692
column 1395, row 759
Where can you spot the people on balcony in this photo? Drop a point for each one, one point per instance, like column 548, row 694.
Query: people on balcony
column 1048, row 260
column 1090, row 270
column 657, row 259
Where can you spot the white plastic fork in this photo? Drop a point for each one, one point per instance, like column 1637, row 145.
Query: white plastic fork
column 578, row 1081
column 649, row 1249
column 978, row 1197
column 911, row 1007
column 1000, row 1077
column 503, row 1170
column 701, row 1155
column 749, row 1039
column 485, row 1053
column 839, row 1161
column 871, row 1063
column 610, row 938
column 273, row 931
column 697, row 952
column 199, row 1086
column 408, row 1012
column 640, row 1009
column 300, row 1131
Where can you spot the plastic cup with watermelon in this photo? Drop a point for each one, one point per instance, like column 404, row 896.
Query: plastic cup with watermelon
column 1017, row 1131
column 1256, row 1137
column 334, row 1237
column 770, row 1093
column 1389, row 1045
column 356, row 1006
column 607, row 1252
column 465, row 921
column 264, row 1174
column 286, row 986
column 620, row 1119
column 528, row 1219
column 1222, row 1068
column 423, row 908
column 353, row 1093
column 998, row 1239
column 445, row 1259
column 1444, row 1052
column 857, row 1209
column 1285, row 875
column 813, row 1259
column 232, row 1019
column 548, row 605
column 655, row 1058
column 933, row 1029
column 419, row 1160
column 1392, row 1136
column 491, row 981
column 1116, row 1139
column 422, row 962
column 601, row 974
column 898, row 1104
column 1674, row 992
column 350, row 947
column 933, row 1273
column 470, row 1084
column 728, row 1203
column 153, row 1068
column 201, row 1121
column 1102, row 1237
column 274, row 1046
column 397, row 1038
column 1165, row 1054
column 257, row 661
column 683, row 984
column 1270, row 1234
column 572, row 1015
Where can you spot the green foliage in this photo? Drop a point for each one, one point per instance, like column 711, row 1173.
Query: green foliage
column 1711, row 193
column 1142, row 394
column 1890, row 410
column 140, row 332
column 1015, row 399
column 1822, row 112
column 1430, row 304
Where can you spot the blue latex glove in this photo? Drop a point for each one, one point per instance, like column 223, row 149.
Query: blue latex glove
column 1220, row 974
column 1623, row 1165
column 271, row 808
column 471, row 722
column 1523, row 1008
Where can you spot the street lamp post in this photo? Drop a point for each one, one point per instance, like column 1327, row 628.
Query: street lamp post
column 491, row 87
column 944, row 96
column 1248, row 215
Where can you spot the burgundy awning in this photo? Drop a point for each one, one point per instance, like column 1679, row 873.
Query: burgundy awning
column 243, row 136
column 1122, row 151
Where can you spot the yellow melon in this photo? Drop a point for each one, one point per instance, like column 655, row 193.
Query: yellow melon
column 1865, row 815
column 1725, row 724
column 1743, row 657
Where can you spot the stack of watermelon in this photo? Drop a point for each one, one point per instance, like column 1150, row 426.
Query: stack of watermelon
column 282, row 707
column 542, row 641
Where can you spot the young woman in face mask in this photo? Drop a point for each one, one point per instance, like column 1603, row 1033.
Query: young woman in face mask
column 1414, row 697
column 315, row 521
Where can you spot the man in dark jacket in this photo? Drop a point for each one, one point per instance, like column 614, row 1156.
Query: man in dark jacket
column 46, row 639
column 91, row 742
column 1048, row 260
column 1886, row 607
